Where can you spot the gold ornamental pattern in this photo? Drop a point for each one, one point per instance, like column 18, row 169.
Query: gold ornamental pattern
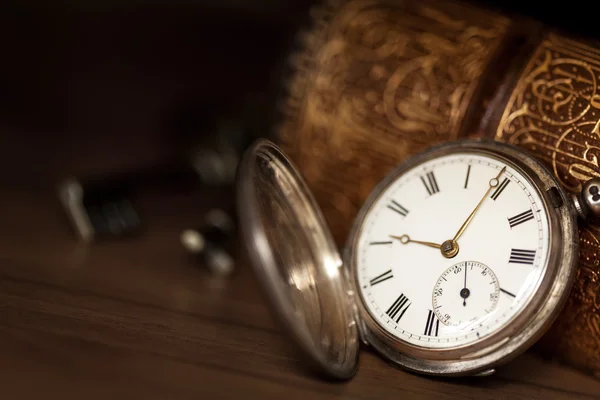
column 554, row 113
column 378, row 81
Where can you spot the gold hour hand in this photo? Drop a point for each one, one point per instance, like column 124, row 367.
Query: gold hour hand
column 405, row 239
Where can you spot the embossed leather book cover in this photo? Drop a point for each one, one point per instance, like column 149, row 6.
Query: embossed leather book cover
column 374, row 82
column 551, row 108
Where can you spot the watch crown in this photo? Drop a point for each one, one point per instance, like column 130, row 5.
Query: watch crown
column 587, row 202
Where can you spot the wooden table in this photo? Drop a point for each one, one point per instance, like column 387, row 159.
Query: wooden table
column 140, row 319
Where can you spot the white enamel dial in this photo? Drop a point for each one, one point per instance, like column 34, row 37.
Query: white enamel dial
column 405, row 250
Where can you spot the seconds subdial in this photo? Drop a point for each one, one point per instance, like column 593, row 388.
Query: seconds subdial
column 465, row 293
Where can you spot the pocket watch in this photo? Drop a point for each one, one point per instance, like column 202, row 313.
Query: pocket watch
column 459, row 260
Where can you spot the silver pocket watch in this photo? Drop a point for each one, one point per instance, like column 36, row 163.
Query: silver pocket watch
column 459, row 260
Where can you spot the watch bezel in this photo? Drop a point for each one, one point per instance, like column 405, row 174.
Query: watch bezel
column 529, row 324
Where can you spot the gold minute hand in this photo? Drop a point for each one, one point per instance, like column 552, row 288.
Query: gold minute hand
column 405, row 239
column 493, row 184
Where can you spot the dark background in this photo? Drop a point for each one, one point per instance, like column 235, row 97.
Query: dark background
column 95, row 87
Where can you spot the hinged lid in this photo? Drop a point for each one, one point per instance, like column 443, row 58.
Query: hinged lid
column 296, row 259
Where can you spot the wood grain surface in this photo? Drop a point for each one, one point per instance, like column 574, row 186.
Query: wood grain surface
column 140, row 319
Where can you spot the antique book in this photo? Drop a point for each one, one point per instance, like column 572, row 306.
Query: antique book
column 373, row 82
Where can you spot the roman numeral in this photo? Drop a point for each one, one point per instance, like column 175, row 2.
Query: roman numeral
column 398, row 208
column 433, row 324
column 467, row 178
column 520, row 218
column 430, row 183
column 518, row 256
column 381, row 278
column 398, row 308
column 500, row 188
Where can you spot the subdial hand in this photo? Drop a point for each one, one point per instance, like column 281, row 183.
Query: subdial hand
column 405, row 239
column 464, row 293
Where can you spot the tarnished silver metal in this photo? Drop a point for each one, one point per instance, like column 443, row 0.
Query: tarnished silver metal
column 579, row 209
column 296, row 260
column 319, row 301
column 527, row 326
column 589, row 199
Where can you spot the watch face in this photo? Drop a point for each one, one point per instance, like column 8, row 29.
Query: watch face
column 452, row 250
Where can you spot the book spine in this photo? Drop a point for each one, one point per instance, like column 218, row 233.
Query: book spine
column 376, row 81
column 550, row 107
